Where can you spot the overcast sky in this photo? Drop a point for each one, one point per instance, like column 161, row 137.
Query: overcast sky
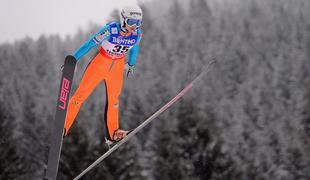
column 21, row 18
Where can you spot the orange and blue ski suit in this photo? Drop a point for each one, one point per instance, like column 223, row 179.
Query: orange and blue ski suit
column 107, row 66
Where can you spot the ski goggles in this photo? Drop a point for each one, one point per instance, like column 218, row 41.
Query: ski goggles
column 132, row 22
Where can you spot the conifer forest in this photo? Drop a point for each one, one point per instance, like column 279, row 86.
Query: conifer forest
column 248, row 118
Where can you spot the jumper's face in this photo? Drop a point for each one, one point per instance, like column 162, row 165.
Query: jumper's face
column 131, row 29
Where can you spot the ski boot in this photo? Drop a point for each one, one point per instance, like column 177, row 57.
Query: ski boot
column 118, row 135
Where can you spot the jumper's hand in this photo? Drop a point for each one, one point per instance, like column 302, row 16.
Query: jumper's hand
column 130, row 71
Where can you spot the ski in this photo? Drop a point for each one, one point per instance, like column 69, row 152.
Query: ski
column 147, row 121
column 59, row 121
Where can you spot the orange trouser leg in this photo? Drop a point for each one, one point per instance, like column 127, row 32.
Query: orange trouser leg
column 93, row 75
column 114, row 83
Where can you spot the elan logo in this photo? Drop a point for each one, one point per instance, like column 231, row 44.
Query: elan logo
column 64, row 93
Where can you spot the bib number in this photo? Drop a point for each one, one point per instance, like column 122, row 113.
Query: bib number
column 120, row 49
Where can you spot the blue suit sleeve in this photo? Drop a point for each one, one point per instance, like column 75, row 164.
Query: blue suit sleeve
column 100, row 36
column 133, row 54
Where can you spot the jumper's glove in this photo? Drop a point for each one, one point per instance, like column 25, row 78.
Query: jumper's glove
column 130, row 71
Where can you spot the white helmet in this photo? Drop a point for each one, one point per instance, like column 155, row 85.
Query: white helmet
column 131, row 15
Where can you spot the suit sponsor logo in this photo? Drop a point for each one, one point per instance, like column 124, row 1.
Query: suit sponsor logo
column 114, row 30
column 101, row 36
column 135, row 13
column 119, row 40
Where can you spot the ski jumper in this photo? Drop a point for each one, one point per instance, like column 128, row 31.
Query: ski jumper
column 107, row 66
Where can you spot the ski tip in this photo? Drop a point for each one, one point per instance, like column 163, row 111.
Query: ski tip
column 71, row 58
column 213, row 61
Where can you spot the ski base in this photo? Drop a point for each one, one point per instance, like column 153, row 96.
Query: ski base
column 59, row 121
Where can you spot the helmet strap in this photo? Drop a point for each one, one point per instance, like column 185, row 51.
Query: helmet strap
column 123, row 26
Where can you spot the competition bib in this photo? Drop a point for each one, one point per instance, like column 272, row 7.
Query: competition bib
column 117, row 46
